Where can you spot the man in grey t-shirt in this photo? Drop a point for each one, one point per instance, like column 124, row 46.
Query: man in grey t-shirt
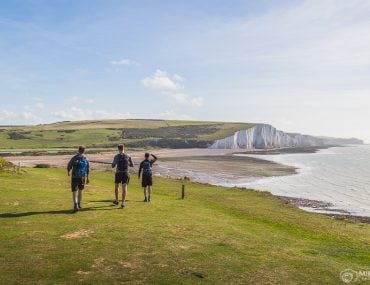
column 121, row 162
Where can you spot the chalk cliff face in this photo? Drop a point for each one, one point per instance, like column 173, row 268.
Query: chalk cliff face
column 265, row 136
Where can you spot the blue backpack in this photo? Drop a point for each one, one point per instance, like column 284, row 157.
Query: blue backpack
column 80, row 166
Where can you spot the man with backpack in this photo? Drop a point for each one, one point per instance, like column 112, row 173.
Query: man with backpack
column 147, row 179
column 121, row 162
column 79, row 166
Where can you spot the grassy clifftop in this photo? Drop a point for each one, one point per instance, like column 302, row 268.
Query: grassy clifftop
column 106, row 133
column 214, row 236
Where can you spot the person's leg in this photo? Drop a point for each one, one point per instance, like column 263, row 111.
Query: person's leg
column 79, row 198
column 149, row 193
column 125, row 182
column 116, row 187
column 117, row 182
column 150, row 183
column 145, row 196
column 81, row 187
column 74, row 197
column 75, row 200
column 124, row 192
column 74, row 186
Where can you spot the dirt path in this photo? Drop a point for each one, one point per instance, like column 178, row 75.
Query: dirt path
column 62, row 160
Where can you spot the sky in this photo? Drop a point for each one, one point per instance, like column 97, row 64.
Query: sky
column 302, row 66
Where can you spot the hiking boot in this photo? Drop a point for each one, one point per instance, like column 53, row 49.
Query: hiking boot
column 115, row 202
column 75, row 208
column 145, row 199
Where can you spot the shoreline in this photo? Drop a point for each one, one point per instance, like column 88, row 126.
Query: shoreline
column 288, row 150
column 8, row 153
column 180, row 163
column 318, row 205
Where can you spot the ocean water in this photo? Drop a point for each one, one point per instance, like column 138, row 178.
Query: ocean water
column 340, row 176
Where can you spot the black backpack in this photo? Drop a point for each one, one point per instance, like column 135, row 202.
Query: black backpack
column 147, row 167
column 123, row 162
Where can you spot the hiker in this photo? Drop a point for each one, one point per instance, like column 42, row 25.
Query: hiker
column 79, row 165
column 121, row 162
column 147, row 179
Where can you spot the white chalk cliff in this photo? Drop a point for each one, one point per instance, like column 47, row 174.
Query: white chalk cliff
column 265, row 136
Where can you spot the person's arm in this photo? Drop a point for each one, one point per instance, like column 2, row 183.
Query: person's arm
column 140, row 169
column 70, row 165
column 88, row 172
column 155, row 158
column 114, row 163
column 131, row 162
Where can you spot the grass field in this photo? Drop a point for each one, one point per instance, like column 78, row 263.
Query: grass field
column 214, row 236
column 135, row 133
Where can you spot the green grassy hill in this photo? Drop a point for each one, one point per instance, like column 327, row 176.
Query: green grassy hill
column 214, row 236
column 100, row 134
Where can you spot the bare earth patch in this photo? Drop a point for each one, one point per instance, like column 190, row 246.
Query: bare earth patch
column 78, row 234
column 98, row 262
column 81, row 272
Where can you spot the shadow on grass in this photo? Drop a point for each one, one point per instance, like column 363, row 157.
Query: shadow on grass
column 110, row 201
column 63, row 212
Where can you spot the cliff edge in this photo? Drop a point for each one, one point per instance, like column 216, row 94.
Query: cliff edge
column 264, row 136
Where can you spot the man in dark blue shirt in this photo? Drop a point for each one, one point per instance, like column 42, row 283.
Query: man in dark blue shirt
column 147, row 179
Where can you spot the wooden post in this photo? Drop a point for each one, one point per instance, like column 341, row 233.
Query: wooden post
column 183, row 189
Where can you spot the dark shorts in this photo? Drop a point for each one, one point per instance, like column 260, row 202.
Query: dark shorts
column 77, row 183
column 122, row 177
column 147, row 180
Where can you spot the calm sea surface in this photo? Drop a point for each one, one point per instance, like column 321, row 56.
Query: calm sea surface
column 339, row 175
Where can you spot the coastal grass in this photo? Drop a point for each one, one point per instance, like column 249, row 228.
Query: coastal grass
column 214, row 236
column 106, row 133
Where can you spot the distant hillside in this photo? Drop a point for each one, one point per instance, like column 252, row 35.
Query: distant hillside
column 329, row 140
column 108, row 133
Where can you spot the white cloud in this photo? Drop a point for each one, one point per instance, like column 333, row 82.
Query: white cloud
column 6, row 115
column 198, row 101
column 161, row 80
column 38, row 99
column 40, row 105
column 75, row 113
column 173, row 115
column 314, row 35
column 37, row 105
column 168, row 85
column 78, row 99
column 178, row 77
column 180, row 98
column 124, row 61
column 90, row 101
column 29, row 116
column 184, row 99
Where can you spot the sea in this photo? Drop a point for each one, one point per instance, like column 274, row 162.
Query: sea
column 338, row 175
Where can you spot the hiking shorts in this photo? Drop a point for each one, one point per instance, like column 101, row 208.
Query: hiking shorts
column 122, row 177
column 147, row 180
column 77, row 183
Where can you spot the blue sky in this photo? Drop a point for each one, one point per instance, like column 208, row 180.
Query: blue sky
column 302, row 66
